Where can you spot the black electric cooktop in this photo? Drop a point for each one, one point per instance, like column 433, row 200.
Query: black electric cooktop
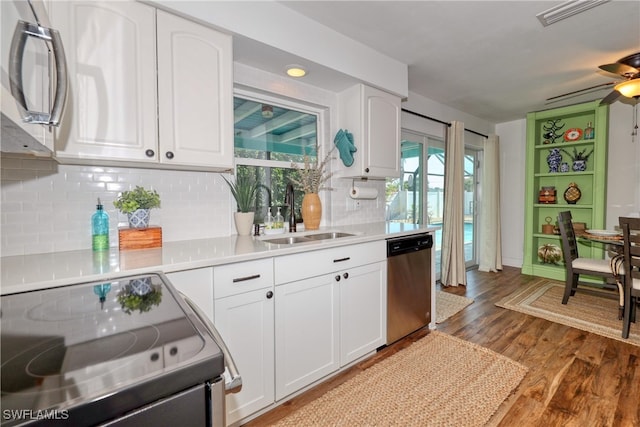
column 99, row 348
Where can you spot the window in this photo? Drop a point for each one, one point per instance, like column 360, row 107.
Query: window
column 268, row 136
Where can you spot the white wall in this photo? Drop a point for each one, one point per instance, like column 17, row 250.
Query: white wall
column 512, row 164
column 623, row 178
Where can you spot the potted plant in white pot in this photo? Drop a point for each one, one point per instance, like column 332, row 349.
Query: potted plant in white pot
column 136, row 204
column 244, row 190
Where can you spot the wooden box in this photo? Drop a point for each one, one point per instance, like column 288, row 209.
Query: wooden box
column 140, row 238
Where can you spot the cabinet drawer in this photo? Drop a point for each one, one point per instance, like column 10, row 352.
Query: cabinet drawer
column 233, row 279
column 290, row 268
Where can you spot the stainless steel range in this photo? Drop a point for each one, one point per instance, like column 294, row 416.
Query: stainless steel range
column 129, row 351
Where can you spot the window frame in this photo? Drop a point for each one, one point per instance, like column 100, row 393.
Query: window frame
column 281, row 101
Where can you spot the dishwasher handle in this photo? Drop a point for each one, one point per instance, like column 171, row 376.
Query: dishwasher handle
column 235, row 385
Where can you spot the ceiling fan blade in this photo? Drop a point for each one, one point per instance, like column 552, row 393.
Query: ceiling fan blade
column 586, row 89
column 609, row 99
column 620, row 69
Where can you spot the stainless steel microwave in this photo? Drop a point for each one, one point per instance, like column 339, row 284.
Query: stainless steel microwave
column 34, row 78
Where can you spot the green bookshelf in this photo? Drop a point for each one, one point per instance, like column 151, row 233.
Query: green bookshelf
column 546, row 169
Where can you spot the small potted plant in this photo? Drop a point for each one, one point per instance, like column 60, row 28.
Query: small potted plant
column 136, row 204
column 245, row 191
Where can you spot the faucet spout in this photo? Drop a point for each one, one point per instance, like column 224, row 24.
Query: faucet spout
column 289, row 199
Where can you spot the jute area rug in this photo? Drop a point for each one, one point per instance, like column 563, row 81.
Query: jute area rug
column 449, row 304
column 591, row 313
column 439, row 380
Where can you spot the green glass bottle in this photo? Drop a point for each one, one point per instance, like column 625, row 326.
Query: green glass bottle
column 100, row 229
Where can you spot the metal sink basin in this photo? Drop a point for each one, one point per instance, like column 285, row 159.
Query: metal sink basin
column 292, row 240
column 288, row 240
column 330, row 235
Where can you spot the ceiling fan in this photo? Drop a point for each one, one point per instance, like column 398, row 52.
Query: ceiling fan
column 627, row 68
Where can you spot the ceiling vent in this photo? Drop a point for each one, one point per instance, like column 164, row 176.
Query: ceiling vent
column 567, row 9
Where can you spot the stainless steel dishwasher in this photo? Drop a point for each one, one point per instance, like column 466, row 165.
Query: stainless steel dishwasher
column 408, row 284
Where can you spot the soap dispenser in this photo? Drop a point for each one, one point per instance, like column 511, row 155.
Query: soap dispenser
column 268, row 224
column 279, row 223
column 100, row 229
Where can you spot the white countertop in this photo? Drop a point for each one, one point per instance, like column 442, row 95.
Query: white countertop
column 29, row 272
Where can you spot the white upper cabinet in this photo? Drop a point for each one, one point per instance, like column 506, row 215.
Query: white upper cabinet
column 373, row 117
column 195, row 93
column 111, row 111
column 129, row 107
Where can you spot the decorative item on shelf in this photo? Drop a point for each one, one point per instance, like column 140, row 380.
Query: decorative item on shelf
column 139, row 295
column 589, row 131
column 548, row 227
column 552, row 131
column 572, row 194
column 564, row 167
column 136, row 204
column 549, row 254
column 547, row 195
column 579, row 159
column 311, row 180
column 554, row 159
column 245, row 191
column 573, row 134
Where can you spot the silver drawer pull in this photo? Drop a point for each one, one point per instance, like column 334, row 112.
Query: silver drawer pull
column 342, row 259
column 244, row 279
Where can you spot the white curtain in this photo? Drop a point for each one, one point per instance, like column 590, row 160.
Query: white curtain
column 490, row 247
column 453, row 272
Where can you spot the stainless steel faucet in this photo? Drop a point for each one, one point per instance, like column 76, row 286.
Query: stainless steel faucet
column 289, row 199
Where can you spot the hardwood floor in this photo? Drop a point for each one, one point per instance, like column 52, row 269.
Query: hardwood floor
column 575, row 378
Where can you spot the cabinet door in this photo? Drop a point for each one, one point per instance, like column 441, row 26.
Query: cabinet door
column 111, row 105
column 363, row 308
column 382, row 131
column 245, row 322
column 373, row 116
column 197, row 284
column 195, row 93
column 307, row 328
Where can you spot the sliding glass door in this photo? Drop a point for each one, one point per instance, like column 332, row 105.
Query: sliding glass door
column 471, row 180
column 418, row 195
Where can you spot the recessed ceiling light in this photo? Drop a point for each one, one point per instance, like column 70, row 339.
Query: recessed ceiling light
column 296, row 70
column 566, row 9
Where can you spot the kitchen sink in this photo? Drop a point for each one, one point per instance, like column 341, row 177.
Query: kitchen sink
column 331, row 235
column 292, row 240
column 288, row 240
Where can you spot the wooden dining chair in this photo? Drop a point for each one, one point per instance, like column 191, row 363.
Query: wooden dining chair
column 631, row 252
column 577, row 265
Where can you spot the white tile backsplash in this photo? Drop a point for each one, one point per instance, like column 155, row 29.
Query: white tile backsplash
column 47, row 207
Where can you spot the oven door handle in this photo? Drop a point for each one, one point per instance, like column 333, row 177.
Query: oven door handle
column 235, row 384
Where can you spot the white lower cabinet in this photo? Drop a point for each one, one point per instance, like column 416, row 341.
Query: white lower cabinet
column 328, row 320
column 307, row 329
column 244, row 306
column 363, row 307
column 292, row 320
